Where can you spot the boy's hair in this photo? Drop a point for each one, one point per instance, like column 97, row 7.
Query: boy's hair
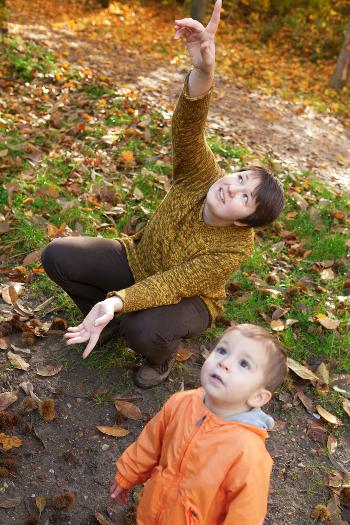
column 277, row 369
column 269, row 196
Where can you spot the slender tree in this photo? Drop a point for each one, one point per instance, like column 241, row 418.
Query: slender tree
column 341, row 75
column 198, row 9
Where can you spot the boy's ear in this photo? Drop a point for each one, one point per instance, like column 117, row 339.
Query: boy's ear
column 240, row 224
column 260, row 398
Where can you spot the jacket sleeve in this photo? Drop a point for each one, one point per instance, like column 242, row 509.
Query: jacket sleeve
column 248, row 491
column 199, row 276
column 192, row 157
column 135, row 465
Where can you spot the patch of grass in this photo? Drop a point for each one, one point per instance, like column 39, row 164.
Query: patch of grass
column 24, row 237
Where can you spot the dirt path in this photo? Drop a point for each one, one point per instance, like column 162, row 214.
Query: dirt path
column 296, row 137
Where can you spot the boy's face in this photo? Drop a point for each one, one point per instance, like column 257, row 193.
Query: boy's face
column 231, row 198
column 233, row 376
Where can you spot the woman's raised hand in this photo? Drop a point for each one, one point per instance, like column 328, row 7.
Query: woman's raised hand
column 199, row 39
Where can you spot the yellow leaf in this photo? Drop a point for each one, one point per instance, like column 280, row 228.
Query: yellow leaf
column 128, row 409
column 40, row 502
column 328, row 416
column 327, row 322
column 113, row 431
column 183, row 354
column 277, row 325
column 9, row 442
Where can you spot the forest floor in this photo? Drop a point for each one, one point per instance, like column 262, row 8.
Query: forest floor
column 123, row 60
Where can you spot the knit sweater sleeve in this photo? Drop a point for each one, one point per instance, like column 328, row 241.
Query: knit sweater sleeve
column 192, row 157
column 199, row 276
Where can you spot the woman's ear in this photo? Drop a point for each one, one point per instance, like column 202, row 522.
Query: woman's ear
column 260, row 398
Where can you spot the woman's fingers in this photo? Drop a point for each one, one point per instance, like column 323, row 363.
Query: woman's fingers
column 75, row 328
column 215, row 18
column 190, row 23
column 91, row 345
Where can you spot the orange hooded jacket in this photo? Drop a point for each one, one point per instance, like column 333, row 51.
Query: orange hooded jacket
column 201, row 469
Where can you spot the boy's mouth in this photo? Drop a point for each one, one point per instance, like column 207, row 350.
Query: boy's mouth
column 217, row 378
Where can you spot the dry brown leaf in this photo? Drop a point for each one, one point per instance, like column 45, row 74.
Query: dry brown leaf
column 306, row 401
column 10, row 293
column 49, row 370
column 332, row 444
column 346, row 406
column 9, row 442
column 43, row 305
column 183, row 354
column 290, row 322
column 17, row 361
column 328, row 416
column 28, row 389
column 301, row 370
column 23, row 350
column 113, row 431
column 341, row 383
column 280, row 312
column 4, row 344
column 32, row 257
column 322, row 373
column 101, row 519
column 316, row 431
column 8, row 503
column 128, row 409
column 278, row 325
column 327, row 322
column 7, row 398
column 40, row 502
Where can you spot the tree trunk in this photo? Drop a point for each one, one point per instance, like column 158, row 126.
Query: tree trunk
column 198, row 9
column 3, row 26
column 342, row 69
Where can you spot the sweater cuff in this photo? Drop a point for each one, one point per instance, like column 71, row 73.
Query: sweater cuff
column 122, row 481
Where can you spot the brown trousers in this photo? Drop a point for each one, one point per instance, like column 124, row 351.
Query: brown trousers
column 87, row 268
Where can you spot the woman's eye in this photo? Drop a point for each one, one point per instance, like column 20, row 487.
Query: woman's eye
column 244, row 363
column 240, row 178
column 245, row 198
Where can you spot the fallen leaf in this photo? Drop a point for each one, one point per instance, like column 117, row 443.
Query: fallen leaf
column 49, row 370
column 10, row 293
column 301, row 370
column 327, row 322
column 8, row 503
column 328, row 416
column 27, row 388
column 306, row 401
column 280, row 312
column 17, row 361
column 341, row 383
column 327, row 274
column 32, row 257
column 23, row 350
column 102, row 520
column 277, row 325
column 346, row 406
column 183, row 354
column 3, row 343
column 40, row 502
column 332, row 444
column 7, row 399
column 128, row 409
column 43, row 305
column 113, row 431
column 9, row 442
column 316, row 432
column 322, row 373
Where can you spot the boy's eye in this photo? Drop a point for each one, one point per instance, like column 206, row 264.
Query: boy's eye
column 220, row 350
column 244, row 363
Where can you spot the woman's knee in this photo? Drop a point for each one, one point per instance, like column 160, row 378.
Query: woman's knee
column 54, row 255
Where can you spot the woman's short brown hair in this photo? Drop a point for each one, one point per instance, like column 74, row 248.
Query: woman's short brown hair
column 269, row 196
column 277, row 368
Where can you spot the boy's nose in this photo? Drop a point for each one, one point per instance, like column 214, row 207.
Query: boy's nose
column 224, row 363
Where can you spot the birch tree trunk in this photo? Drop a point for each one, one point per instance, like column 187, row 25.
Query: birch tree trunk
column 342, row 70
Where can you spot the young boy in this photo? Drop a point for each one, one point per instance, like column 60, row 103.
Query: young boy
column 203, row 455
column 169, row 279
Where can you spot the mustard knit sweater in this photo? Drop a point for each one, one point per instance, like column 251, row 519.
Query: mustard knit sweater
column 177, row 255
